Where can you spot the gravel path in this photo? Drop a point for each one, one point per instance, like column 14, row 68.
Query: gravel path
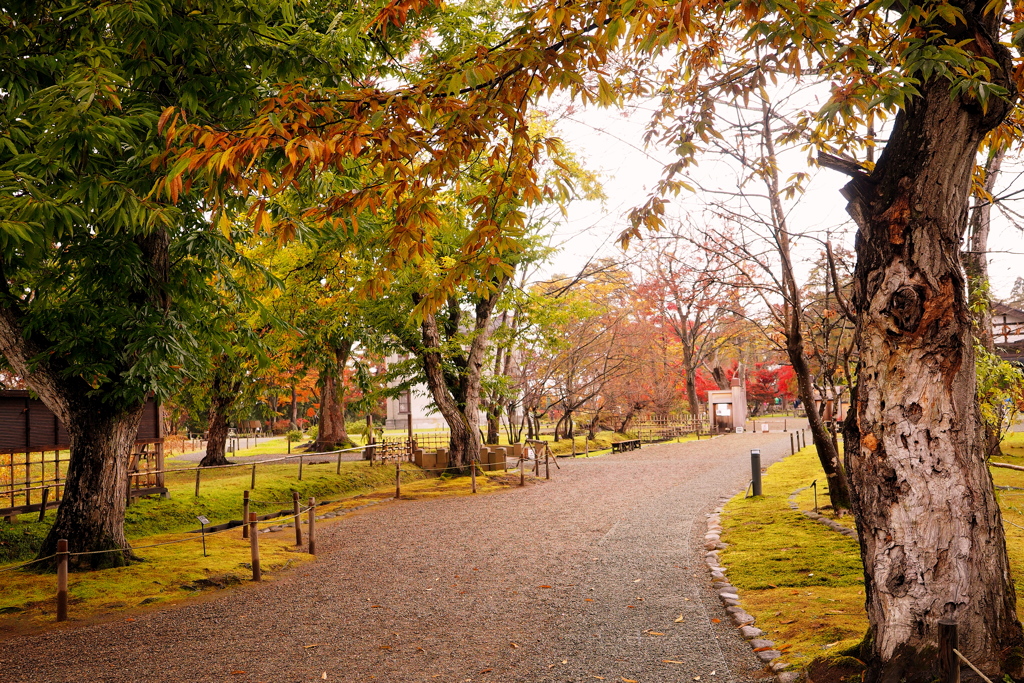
column 595, row 575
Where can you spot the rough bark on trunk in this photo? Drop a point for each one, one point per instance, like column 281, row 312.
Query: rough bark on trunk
column 333, row 433
column 223, row 393
column 930, row 530
column 91, row 513
column 458, row 398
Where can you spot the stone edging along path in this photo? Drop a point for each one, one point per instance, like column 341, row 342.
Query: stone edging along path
column 729, row 595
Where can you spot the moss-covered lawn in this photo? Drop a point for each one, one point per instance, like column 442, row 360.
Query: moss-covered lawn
column 804, row 582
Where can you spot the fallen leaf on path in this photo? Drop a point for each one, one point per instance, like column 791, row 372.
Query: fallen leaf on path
column 679, row 619
column 654, row 633
column 384, row 647
column 637, row 580
column 513, row 644
column 324, row 677
column 628, row 680
column 374, row 605
column 716, row 621
column 788, row 621
column 129, row 620
column 764, row 649
column 600, row 678
column 309, row 646
column 543, row 586
column 588, row 600
column 235, row 673
column 485, row 671
column 671, row 661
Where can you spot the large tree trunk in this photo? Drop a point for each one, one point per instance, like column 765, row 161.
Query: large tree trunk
column 930, row 530
column 459, row 404
column 223, row 393
column 91, row 513
column 333, row 433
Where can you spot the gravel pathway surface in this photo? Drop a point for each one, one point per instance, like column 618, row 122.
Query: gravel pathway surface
column 597, row 574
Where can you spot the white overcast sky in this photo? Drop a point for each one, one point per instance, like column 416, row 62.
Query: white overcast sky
column 610, row 142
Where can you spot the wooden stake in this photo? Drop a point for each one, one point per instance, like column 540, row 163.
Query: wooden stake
column 62, row 580
column 472, row 474
column 312, row 526
column 547, row 466
column 254, row 548
column 298, row 518
column 301, row 458
column 337, row 470
column 949, row 664
column 198, row 470
column 791, row 449
column 398, row 480
column 245, row 514
column 522, row 471
column 252, row 484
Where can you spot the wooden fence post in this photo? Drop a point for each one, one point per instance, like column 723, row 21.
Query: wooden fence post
column 254, row 548
column 252, row 484
column 298, row 518
column 337, row 470
column 472, row 473
column 398, row 479
column 522, row 471
column 301, row 458
column 312, row 526
column 791, row 449
column 949, row 665
column 245, row 514
column 198, row 470
column 547, row 466
column 62, row 580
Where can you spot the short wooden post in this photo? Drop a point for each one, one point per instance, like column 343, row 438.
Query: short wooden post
column 398, row 480
column 791, row 449
column 312, row 526
column 472, row 474
column 337, row 470
column 46, row 495
column 298, row 518
column 547, row 465
column 949, row 665
column 586, row 446
column 252, row 484
column 522, row 471
column 755, row 471
column 198, row 470
column 245, row 514
column 254, row 548
column 62, row 579
column 301, row 458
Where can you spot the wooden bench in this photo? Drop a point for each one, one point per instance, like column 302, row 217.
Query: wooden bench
column 623, row 446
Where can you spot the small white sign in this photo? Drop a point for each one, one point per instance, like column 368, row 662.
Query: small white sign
column 202, row 519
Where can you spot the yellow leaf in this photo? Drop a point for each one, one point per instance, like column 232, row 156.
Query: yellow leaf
column 671, row 661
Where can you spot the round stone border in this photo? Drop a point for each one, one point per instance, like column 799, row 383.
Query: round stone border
column 764, row 649
column 820, row 518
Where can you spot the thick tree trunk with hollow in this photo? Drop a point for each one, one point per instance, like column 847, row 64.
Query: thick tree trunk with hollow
column 930, row 530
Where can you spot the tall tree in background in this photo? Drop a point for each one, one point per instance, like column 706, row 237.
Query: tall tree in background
column 694, row 289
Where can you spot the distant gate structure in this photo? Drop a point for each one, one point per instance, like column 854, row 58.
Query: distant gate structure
column 34, row 455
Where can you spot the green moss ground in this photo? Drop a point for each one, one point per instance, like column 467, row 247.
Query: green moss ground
column 804, row 582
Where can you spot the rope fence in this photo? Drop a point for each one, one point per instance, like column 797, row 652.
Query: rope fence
column 251, row 524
